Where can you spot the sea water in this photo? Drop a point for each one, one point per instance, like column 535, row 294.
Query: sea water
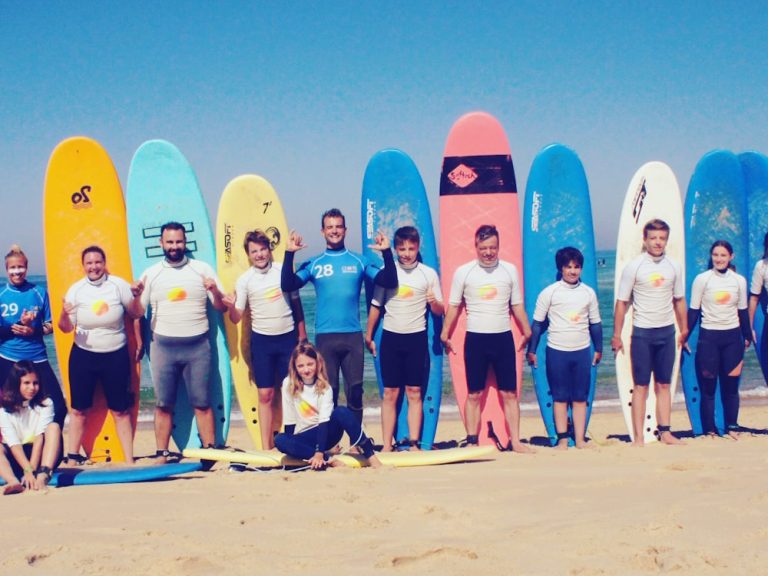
column 606, row 393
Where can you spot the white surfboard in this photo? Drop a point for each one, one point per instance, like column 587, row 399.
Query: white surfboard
column 652, row 193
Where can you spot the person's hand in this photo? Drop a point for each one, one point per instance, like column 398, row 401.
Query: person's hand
column 682, row 341
column 371, row 345
column 317, row 462
column 211, row 286
column 532, row 360
column 28, row 480
column 523, row 342
column 431, row 296
column 596, row 358
column 448, row 344
column 137, row 288
column 68, row 307
column 22, row 330
column 380, row 243
column 617, row 345
column 295, row 242
column 229, row 300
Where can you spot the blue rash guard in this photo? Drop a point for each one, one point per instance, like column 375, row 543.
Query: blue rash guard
column 13, row 301
column 338, row 277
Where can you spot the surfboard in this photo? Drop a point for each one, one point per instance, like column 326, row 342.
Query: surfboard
column 162, row 187
column 394, row 196
column 477, row 186
column 653, row 193
column 715, row 209
column 247, row 203
column 83, row 205
column 754, row 165
column 557, row 213
column 405, row 459
column 85, row 477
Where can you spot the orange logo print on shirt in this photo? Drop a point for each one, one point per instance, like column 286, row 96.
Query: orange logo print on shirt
column 656, row 279
column 273, row 294
column 306, row 409
column 488, row 292
column 722, row 297
column 177, row 294
column 404, row 291
column 574, row 316
column 99, row 307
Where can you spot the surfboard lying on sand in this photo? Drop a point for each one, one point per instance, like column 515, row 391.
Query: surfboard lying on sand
column 83, row 206
column 162, row 187
column 557, row 214
column 715, row 209
column 405, row 459
column 247, row 203
column 85, row 477
column 653, row 193
column 477, row 186
column 394, row 196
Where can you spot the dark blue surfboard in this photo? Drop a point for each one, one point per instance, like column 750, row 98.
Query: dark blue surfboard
column 715, row 209
column 557, row 213
column 393, row 196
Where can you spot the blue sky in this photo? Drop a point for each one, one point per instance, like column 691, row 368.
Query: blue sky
column 304, row 93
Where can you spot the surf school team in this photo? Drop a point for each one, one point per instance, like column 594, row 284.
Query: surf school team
column 177, row 290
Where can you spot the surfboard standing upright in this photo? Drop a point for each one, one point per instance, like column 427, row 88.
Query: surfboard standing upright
column 162, row 187
column 755, row 168
column 652, row 193
column 715, row 209
column 477, row 186
column 83, row 205
column 394, row 196
column 248, row 202
column 557, row 213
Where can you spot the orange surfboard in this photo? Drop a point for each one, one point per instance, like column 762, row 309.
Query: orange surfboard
column 477, row 186
column 83, row 205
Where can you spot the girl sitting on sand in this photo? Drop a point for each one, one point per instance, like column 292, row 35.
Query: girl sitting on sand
column 31, row 438
column 312, row 425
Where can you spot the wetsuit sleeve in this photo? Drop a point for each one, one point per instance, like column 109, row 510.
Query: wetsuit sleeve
column 541, row 310
column 436, row 286
column 537, row 329
column 679, row 288
column 241, row 291
column 291, row 281
column 746, row 329
column 457, row 288
column 46, row 417
column 596, row 334
column 743, row 296
column 594, row 309
column 627, row 282
column 387, row 276
column 693, row 318
column 8, row 430
column 379, row 297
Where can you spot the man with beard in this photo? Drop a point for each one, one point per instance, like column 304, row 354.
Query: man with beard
column 176, row 289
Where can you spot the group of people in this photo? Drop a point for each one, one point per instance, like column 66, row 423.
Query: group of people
column 177, row 289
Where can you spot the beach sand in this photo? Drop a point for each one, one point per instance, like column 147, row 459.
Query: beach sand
column 695, row 509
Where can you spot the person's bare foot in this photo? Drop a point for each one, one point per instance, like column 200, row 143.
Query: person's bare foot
column 374, row 462
column 732, row 434
column 562, row 444
column 335, row 463
column 670, row 439
column 521, row 448
column 386, row 447
column 638, row 443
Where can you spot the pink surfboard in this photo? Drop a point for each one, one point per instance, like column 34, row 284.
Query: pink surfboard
column 477, row 186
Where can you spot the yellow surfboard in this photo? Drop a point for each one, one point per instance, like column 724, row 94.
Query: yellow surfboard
column 83, row 205
column 248, row 202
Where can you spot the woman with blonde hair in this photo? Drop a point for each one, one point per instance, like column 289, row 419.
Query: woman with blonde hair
column 312, row 425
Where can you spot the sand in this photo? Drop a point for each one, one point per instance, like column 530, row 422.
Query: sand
column 695, row 509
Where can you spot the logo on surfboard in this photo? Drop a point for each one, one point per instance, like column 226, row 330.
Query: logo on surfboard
column 462, row 176
column 81, row 199
column 637, row 205
column 227, row 243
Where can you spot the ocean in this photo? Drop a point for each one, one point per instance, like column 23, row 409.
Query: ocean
column 606, row 394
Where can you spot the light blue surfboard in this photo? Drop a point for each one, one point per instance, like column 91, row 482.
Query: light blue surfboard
column 715, row 209
column 754, row 166
column 557, row 213
column 162, row 187
column 84, row 477
column 394, row 196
